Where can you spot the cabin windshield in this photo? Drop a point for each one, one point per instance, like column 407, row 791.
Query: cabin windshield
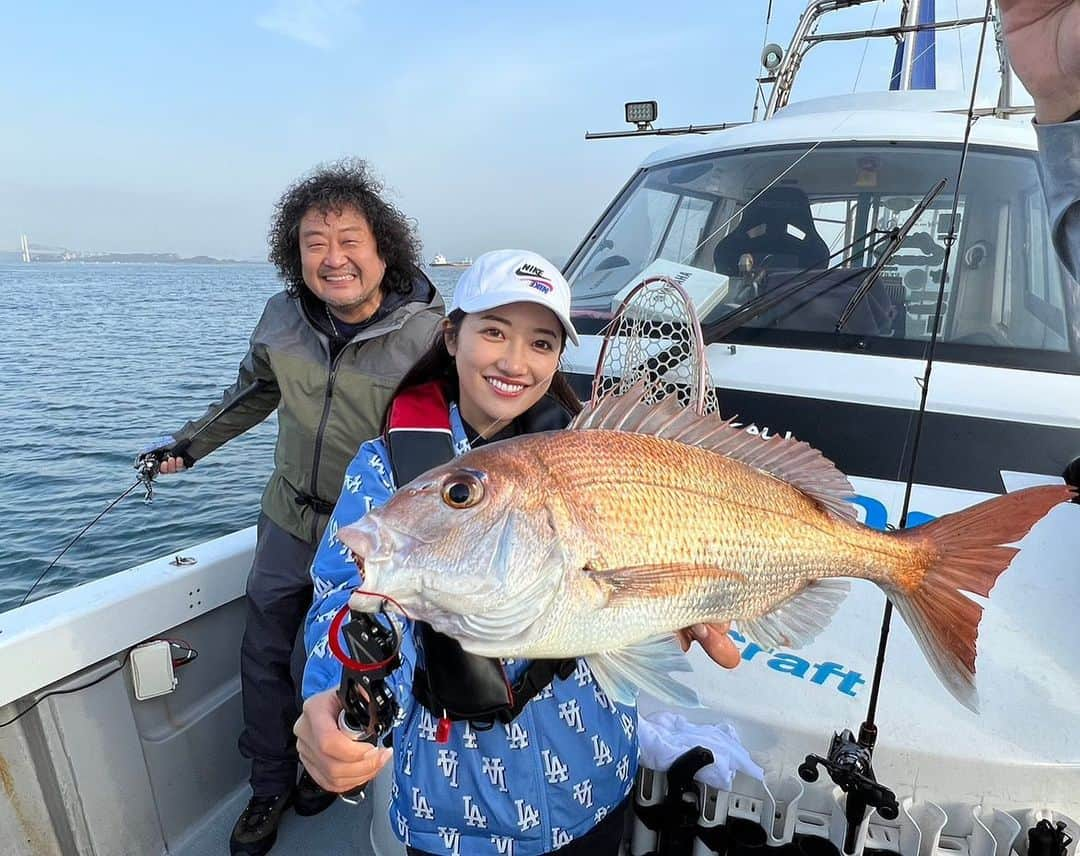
column 730, row 230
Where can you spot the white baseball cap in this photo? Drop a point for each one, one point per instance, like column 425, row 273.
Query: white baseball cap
column 514, row 276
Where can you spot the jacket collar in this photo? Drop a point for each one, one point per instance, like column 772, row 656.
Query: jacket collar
column 427, row 408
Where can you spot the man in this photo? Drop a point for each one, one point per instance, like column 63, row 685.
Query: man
column 327, row 353
column 1043, row 37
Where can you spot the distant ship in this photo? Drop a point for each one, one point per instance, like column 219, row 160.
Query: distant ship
column 440, row 261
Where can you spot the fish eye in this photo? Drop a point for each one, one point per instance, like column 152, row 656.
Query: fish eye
column 463, row 490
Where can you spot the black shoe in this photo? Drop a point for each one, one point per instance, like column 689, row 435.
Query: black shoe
column 311, row 798
column 256, row 830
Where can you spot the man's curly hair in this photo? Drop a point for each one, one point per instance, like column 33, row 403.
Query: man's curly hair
column 333, row 187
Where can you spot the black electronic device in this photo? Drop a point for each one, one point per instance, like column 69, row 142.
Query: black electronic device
column 368, row 706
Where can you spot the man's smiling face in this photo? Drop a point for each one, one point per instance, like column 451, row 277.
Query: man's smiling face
column 341, row 263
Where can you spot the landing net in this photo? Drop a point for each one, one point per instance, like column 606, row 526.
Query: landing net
column 655, row 336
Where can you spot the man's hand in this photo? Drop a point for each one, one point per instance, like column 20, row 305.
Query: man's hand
column 171, row 456
column 171, row 465
column 1044, row 47
column 334, row 761
column 714, row 641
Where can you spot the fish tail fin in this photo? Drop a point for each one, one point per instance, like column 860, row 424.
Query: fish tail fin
column 964, row 552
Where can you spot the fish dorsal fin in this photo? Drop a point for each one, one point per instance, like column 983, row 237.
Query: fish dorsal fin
column 790, row 460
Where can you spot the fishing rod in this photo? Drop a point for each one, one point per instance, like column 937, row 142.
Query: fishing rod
column 849, row 760
column 148, row 465
column 950, row 241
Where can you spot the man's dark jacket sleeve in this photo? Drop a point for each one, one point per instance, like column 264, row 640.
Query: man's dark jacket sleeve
column 1059, row 146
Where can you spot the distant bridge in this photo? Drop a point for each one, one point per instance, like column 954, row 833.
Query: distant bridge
column 31, row 252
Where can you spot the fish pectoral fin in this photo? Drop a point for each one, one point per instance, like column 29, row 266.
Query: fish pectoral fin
column 800, row 618
column 645, row 666
column 667, row 580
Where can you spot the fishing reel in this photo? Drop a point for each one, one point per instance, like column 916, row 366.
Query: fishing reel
column 368, row 706
column 1048, row 839
column 149, row 460
column 849, row 766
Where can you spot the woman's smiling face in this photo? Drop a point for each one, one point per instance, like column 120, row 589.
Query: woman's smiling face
column 505, row 360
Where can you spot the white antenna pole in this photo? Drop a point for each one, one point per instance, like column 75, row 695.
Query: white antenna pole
column 908, row 65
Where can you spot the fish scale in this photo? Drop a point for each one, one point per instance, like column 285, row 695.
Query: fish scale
column 682, row 502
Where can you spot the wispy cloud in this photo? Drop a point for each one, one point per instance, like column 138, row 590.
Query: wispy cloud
column 318, row 23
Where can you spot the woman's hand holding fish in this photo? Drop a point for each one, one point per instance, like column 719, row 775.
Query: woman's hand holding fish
column 333, row 760
column 714, row 641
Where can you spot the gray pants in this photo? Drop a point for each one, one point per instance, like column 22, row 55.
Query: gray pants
column 272, row 655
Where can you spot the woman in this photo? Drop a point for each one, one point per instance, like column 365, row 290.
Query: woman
column 478, row 774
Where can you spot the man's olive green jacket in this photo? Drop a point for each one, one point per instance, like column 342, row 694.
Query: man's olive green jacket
column 326, row 409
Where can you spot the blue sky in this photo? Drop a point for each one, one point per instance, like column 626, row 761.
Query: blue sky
column 174, row 127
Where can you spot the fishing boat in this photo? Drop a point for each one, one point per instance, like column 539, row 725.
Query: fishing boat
column 441, row 261
column 124, row 747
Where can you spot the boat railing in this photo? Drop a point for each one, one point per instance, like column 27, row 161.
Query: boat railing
column 806, row 37
column 87, row 767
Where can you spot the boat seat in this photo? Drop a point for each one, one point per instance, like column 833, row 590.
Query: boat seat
column 777, row 230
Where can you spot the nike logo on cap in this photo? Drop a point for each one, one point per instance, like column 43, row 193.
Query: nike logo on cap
column 531, row 270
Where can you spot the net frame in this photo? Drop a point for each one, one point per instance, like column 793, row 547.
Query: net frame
column 657, row 333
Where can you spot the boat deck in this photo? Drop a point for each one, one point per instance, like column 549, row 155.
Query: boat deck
column 341, row 829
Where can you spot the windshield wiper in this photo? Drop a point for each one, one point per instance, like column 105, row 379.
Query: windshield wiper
column 896, row 238
column 893, row 238
column 759, row 305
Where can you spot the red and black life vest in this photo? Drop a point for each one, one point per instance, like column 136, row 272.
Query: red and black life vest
column 454, row 684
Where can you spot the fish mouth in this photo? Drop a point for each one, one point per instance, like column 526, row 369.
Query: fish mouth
column 375, row 549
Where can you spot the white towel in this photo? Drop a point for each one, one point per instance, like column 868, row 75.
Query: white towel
column 664, row 736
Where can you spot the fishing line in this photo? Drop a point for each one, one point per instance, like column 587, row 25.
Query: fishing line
column 950, row 240
column 760, row 93
column 686, row 259
column 334, row 634
column 866, row 47
column 960, row 45
column 930, row 46
column 148, row 470
column 41, row 576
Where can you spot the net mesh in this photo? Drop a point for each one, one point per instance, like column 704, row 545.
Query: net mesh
column 655, row 337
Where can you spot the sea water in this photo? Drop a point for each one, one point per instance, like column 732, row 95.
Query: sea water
column 96, row 360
